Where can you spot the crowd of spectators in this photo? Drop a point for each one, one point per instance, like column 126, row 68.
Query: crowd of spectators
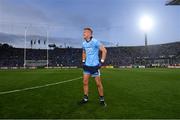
column 117, row 56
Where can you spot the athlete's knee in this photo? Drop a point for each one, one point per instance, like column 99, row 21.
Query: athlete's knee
column 99, row 84
column 85, row 79
column 85, row 82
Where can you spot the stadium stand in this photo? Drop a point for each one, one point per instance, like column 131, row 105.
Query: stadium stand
column 152, row 55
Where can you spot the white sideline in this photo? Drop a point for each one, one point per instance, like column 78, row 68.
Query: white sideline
column 41, row 86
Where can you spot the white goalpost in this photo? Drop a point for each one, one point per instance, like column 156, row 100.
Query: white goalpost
column 36, row 36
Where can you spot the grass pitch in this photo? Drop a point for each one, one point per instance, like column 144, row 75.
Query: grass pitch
column 129, row 93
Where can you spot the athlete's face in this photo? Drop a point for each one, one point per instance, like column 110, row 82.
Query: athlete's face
column 87, row 34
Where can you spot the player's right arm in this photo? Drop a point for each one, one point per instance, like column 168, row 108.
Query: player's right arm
column 83, row 55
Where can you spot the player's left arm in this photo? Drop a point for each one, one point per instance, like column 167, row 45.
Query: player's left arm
column 104, row 52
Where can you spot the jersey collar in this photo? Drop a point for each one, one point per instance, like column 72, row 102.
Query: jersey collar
column 89, row 39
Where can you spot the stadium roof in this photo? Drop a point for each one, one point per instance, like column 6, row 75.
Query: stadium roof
column 173, row 2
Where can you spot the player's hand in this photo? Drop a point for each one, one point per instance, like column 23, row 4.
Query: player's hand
column 101, row 63
column 83, row 63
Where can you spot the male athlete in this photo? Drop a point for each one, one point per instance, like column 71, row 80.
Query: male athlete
column 92, row 64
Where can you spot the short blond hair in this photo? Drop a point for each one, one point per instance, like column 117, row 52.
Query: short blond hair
column 88, row 28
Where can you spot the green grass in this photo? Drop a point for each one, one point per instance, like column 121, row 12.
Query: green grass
column 129, row 93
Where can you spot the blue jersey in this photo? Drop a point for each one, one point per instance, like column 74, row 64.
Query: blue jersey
column 91, row 49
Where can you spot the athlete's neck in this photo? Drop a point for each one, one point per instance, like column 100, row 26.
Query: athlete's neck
column 89, row 39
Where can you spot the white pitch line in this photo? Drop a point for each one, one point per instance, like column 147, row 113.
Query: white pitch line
column 41, row 86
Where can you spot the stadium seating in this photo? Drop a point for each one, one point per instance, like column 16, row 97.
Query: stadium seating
column 163, row 54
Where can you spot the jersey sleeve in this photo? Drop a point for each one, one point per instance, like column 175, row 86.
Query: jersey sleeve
column 83, row 47
column 98, row 44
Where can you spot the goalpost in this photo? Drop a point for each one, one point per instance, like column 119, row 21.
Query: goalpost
column 36, row 37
